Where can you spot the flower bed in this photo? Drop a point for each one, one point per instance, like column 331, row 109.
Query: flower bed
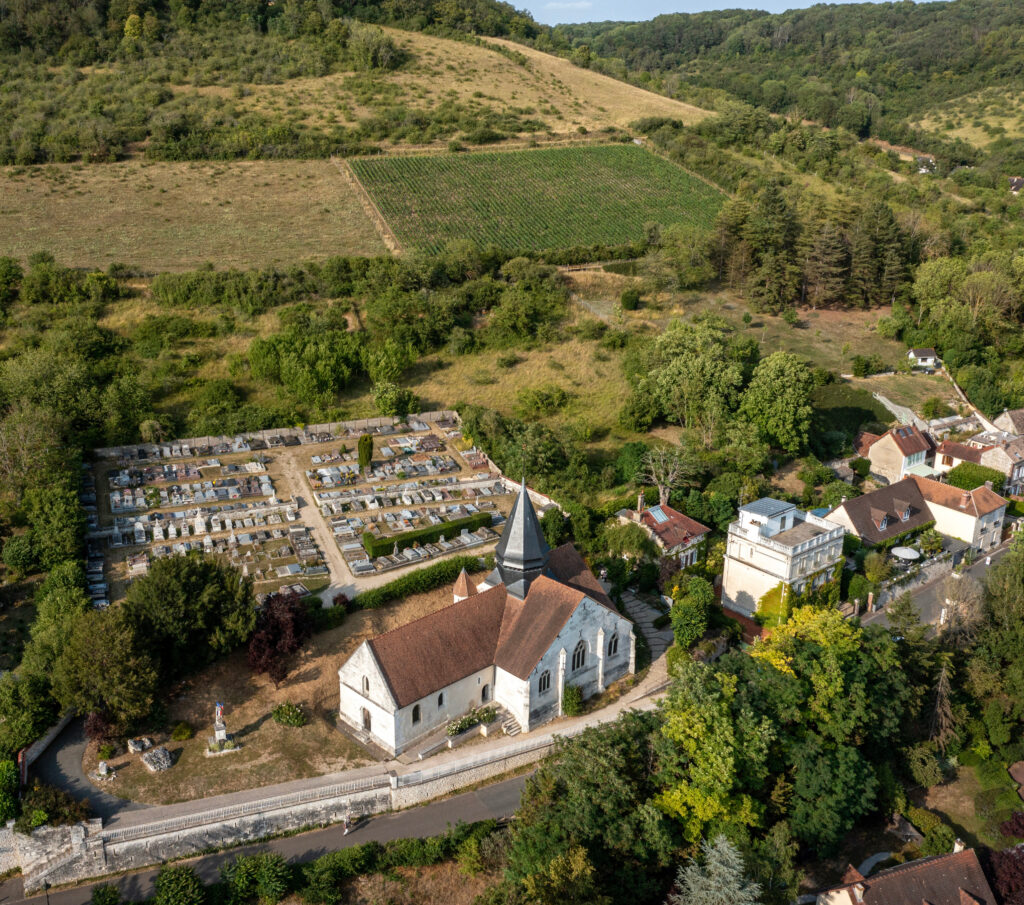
column 475, row 716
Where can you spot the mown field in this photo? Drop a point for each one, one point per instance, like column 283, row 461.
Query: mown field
column 178, row 216
column 534, row 200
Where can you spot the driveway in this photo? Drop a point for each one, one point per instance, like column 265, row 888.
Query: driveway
column 493, row 802
column 930, row 599
column 60, row 765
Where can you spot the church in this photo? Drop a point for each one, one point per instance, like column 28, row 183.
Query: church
column 536, row 624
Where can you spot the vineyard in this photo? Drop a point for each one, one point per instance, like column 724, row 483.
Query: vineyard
column 534, row 200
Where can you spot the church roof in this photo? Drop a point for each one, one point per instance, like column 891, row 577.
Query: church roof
column 491, row 627
column 522, row 546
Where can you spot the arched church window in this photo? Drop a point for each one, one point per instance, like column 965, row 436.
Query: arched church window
column 366, row 685
column 485, row 695
column 544, row 683
column 613, row 645
column 416, row 714
column 579, row 657
column 440, row 700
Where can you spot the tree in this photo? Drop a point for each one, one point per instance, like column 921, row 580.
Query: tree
column 9, row 783
column 178, row 885
column 27, row 710
column 105, row 894
column 58, row 524
column 365, row 450
column 568, row 879
column 57, row 609
column 391, row 399
column 104, row 668
column 11, row 275
column 876, row 567
column 718, row 878
column 188, row 610
column 693, row 598
column 667, row 469
column 777, row 401
column 964, row 600
column 629, row 540
column 264, row 877
column 19, row 555
column 282, row 627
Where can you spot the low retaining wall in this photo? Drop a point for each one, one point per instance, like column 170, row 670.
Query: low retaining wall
column 70, row 854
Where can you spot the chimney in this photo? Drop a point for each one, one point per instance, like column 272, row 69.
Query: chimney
column 988, row 484
column 858, row 892
column 965, row 499
column 959, row 846
column 639, row 502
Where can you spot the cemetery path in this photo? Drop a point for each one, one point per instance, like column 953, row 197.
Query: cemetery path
column 60, row 765
column 495, row 802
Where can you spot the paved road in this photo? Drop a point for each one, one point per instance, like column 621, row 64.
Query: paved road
column 930, row 599
column 490, row 802
column 61, row 765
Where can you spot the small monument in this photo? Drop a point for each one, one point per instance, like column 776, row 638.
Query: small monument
column 221, row 741
column 102, row 768
column 220, row 730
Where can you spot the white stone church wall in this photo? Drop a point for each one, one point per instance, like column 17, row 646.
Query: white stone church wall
column 378, row 701
column 513, row 694
column 459, row 697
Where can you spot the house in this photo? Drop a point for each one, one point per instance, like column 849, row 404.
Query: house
column 1016, row 184
column 973, row 516
column 899, row 451
column 536, row 624
column 1003, row 450
column 1011, row 421
column 773, row 543
column 923, row 358
column 673, row 533
column 949, row 454
column 953, row 879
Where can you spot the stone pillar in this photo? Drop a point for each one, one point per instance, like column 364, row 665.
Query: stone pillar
column 632, row 651
column 600, row 660
column 560, row 687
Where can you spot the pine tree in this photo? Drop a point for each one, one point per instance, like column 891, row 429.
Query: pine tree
column 719, row 880
column 824, row 265
column 942, row 725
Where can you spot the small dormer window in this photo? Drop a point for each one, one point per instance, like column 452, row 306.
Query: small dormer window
column 883, row 523
column 905, row 514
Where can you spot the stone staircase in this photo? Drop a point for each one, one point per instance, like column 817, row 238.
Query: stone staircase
column 643, row 614
column 510, row 725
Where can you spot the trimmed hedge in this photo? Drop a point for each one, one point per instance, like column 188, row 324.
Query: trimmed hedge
column 382, row 546
column 970, row 476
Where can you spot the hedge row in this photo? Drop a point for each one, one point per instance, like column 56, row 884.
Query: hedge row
column 383, row 546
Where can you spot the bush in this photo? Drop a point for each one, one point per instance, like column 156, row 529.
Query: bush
column 182, row 732
column 861, row 467
column 106, row 751
column 288, row 715
column 384, row 546
column 925, row 821
column 9, row 782
column 1014, row 827
column 265, row 877
column 47, row 804
column 473, row 718
column 365, row 450
column 630, row 299
column 19, row 554
column 441, row 573
column 923, row 763
column 933, row 407
column 178, row 885
column 968, row 476
column 105, row 894
column 324, row 877
column 572, row 700
column 938, row 841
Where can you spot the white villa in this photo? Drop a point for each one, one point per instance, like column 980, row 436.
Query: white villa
column 774, row 543
column 539, row 622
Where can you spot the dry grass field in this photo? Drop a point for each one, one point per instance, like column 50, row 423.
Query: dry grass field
column 911, row 390
column 178, row 216
column 413, row 886
column 551, row 90
column 270, row 753
column 979, row 118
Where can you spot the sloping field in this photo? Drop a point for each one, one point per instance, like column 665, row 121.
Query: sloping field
column 177, row 216
column 534, row 200
column 548, row 89
column 979, row 118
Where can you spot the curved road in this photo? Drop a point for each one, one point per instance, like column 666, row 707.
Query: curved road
column 60, row 765
column 492, row 802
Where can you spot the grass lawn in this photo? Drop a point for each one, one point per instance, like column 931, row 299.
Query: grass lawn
column 910, row 390
column 270, row 753
column 178, row 216
column 534, row 200
column 976, row 802
column 844, row 407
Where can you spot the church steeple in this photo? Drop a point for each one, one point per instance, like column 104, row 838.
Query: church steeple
column 522, row 552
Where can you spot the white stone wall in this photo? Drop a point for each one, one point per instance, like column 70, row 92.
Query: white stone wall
column 980, row 533
column 743, row 585
column 459, row 697
column 378, row 701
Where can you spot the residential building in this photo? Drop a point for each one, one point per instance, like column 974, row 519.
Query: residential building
column 774, row 543
column 953, row 879
column 1003, row 451
column 539, row 622
column 900, row 451
column 1011, row 421
column 673, row 533
column 949, row 454
column 973, row 516
column 923, row 358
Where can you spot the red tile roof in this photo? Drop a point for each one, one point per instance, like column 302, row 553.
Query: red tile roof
column 487, row 628
column 910, row 440
column 675, row 529
column 978, row 502
column 952, row 879
column 960, row 451
column 863, row 443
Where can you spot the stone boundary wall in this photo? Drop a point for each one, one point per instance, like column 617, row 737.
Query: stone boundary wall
column 301, row 433
column 33, row 751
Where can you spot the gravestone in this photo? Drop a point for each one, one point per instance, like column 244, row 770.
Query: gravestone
column 102, row 768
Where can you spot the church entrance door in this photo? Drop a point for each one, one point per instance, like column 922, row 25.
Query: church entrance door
column 366, row 719
column 485, row 695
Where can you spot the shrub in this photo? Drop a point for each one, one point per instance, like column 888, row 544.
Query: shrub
column 469, row 857
column 925, row 821
column 938, row 841
column 288, row 714
column 968, row 476
column 8, row 790
column 105, row 894
column 384, row 546
column 441, row 573
column 264, row 877
column 630, row 299
column 178, row 885
column 473, row 718
column 19, row 554
column 182, row 732
column 324, row 877
column 934, row 407
column 861, row 467
column 923, row 762
column 98, row 727
column 572, row 700
column 365, row 450
column 47, row 804
column 105, row 751
column 1014, row 827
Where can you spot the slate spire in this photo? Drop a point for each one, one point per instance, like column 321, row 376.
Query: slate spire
column 522, row 552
